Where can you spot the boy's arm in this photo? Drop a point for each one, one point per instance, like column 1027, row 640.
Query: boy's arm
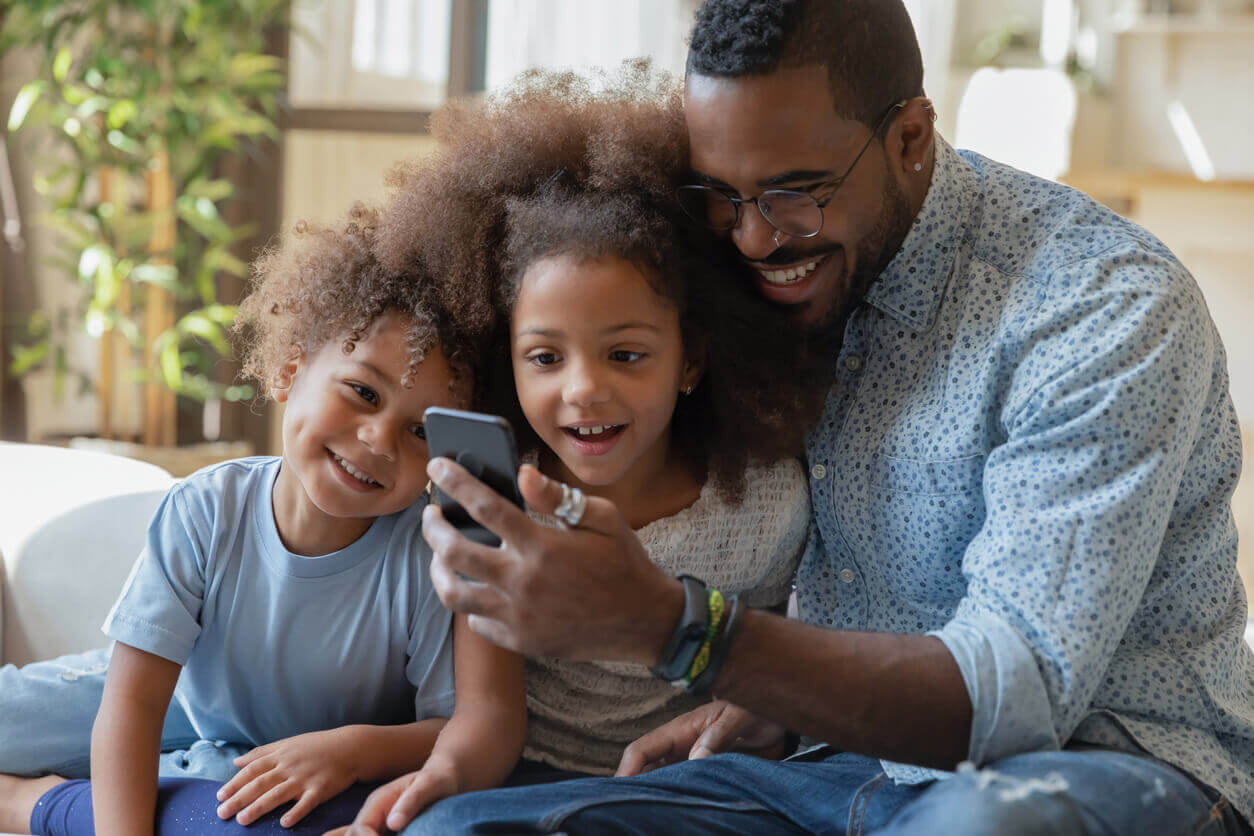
column 479, row 746
column 126, row 740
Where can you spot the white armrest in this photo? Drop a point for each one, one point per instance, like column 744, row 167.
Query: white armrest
column 71, row 524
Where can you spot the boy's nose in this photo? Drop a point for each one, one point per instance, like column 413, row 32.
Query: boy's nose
column 378, row 439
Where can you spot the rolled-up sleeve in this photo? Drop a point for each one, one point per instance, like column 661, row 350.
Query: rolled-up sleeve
column 1107, row 398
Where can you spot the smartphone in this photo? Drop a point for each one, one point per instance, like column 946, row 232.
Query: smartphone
column 484, row 445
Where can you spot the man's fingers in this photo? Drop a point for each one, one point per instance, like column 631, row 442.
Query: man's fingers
column 731, row 725
column 487, row 507
column 667, row 743
column 460, row 594
column 543, row 494
column 474, row 560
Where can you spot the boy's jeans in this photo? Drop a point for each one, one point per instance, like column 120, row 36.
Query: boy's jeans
column 1088, row 791
column 47, row 710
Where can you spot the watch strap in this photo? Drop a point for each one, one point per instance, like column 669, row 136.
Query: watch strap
column 686, row 639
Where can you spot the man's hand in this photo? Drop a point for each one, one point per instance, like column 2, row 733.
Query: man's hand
column 589, row 592
column 708, row 730
column 308, row 769
column 398, row 802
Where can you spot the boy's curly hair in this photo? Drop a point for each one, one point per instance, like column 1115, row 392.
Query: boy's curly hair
column 322, row 283
column 552, row 166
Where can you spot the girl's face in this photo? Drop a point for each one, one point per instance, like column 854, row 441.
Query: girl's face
column 598, row 362
column 353, row 443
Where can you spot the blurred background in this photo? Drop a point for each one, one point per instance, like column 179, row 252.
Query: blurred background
column 153, row 147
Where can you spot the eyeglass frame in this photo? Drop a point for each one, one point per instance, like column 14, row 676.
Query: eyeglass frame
column 836, row 183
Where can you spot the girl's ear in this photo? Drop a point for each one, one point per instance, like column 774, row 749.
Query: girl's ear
column 281, row 383
column 692, row 375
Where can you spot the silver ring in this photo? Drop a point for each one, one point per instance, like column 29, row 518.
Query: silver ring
column 574, row 502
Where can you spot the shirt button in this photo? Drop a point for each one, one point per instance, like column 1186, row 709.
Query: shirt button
column 846, row 575
column 853, row 362
column 818, row 471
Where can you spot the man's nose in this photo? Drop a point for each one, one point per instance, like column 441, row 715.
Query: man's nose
column 754, row 236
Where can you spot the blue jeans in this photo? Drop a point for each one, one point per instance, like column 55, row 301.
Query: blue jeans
column 1077, row 791
column 46, row 714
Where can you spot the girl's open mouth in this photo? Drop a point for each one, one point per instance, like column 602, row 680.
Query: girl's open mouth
column 594, row 440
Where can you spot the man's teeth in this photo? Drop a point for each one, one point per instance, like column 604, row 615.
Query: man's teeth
column 595, row 430
column 354, row 472
column 793, row 274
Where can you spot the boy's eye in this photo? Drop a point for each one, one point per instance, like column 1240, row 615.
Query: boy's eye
column 543, row 358
column 365, row 392
column 419, row 430
column 622, row 355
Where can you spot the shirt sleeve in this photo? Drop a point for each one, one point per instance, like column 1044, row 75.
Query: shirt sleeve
column 430, row 664
column 1111, row 383
column 159, row 608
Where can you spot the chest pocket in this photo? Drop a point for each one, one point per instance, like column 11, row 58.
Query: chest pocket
column 914, row 519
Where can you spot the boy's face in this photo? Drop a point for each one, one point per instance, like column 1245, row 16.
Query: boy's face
column 352, row 434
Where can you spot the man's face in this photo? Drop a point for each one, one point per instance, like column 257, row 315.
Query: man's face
column 781, row 131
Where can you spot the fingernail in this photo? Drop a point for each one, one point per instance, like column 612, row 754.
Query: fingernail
column 700, row 752
column 437, row 469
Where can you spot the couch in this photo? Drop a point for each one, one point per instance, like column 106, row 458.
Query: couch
column 71, row 524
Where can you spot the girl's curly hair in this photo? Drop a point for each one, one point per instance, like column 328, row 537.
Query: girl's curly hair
column 552, row 166
column 322, row 283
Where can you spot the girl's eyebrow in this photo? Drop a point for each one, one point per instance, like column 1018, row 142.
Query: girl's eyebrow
column 372, row 370
column 612, row 329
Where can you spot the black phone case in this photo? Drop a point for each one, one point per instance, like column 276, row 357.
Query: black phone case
column 484, row 445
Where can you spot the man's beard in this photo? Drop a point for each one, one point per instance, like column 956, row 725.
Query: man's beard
column 875, row 252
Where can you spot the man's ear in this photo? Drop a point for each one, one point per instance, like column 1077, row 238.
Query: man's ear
column 914, row 136
column 281, row 382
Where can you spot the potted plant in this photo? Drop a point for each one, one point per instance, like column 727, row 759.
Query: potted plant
column 146, row 101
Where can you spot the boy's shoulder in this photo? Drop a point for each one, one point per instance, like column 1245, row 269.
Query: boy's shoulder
column 226, row 478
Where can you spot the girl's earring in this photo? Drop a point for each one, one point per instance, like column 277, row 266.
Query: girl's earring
column 687, row 390
column 918, row 166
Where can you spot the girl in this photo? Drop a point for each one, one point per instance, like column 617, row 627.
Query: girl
column 637, row 362
column 284, row 603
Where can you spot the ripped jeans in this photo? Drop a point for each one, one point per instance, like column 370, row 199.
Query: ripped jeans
column 1075, row 791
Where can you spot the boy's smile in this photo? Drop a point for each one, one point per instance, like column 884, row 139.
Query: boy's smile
column 353, row 445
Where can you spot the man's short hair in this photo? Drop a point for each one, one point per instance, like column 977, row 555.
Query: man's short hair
column 868, row 47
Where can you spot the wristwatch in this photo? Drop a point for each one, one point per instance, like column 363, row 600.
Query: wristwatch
column 689, row 634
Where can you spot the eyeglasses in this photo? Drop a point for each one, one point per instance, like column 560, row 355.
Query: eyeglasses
column 792, row 212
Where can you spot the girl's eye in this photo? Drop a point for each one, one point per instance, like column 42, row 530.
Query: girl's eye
column 622, row 355
column 419, row 430
column 365, row 392
column 543, row 358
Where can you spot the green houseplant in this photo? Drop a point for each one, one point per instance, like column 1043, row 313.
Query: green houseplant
column 146, row 100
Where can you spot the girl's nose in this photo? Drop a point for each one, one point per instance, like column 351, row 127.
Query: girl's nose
column 584, row 388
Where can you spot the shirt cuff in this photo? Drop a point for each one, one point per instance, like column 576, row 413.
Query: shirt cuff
column 1011, row 712
column 149, row 637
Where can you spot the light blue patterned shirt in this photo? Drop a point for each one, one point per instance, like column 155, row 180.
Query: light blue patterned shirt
column 1029, row 452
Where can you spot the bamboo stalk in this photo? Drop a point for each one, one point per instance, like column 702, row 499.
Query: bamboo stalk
column 159, row 405
column 104, row 382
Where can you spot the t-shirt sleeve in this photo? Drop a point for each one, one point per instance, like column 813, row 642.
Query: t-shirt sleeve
column 430, row 665
column 159, row 608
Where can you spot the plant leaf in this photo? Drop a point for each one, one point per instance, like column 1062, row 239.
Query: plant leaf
column 26, row 98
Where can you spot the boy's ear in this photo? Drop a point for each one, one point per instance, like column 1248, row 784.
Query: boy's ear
column 281, row 383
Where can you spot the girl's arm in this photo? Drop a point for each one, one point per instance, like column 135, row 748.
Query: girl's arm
column 126, row 740
column 479, row 746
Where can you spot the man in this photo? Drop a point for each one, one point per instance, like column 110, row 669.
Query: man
column 1022, row 560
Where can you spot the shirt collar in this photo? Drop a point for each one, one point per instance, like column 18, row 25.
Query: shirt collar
column 913, row 284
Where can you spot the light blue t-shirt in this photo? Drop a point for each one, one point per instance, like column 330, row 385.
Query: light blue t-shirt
column 275, row 644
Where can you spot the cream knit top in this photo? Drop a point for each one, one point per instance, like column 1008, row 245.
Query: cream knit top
column 583, row 714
